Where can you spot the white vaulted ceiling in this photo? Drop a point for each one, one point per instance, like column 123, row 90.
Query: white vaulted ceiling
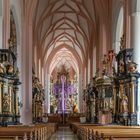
column 64, row 23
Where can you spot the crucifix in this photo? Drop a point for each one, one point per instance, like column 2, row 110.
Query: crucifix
column 63, row 78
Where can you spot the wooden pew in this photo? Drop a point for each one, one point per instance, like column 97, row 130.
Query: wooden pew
column 111, row 132
column 16, row 133
column 125, row 134
column 32, row 132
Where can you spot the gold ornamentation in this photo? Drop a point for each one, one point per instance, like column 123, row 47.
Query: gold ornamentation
column 0, row 97
column 121, row 66
column 122, row 42
column 6, row 105
column 105, row 65
column 132, row 66
column 10, row 69
column 1, row 68
column 132, row 99
column 124, row 104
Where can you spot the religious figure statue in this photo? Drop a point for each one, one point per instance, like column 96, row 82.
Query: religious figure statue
column 6, row 65
column 131, row 66
column 122, row 42
column 114, row 72
column 105, row 64
column 70, row 103
column 97, row 72
column 121, row 66
column 12, row 43
column 2, row 68
column 111, row 59
column 6, row 106
column 124, row 104
column 75, row 108
column 111, row 56
column 10, row 69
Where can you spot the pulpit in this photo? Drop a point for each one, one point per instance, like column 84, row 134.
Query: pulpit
column 105, row 99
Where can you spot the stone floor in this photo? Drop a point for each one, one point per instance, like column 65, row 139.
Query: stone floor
column 64, row 133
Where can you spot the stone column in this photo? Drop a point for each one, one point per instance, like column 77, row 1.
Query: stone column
column 135, row 43
column 47, row 93
column 26, row 71
column 80, row 95
column 94, row 61
column 116, row 46
column 46, row 97
column 6, row 23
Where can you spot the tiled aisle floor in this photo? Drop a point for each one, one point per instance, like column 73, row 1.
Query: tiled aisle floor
column 64, row 133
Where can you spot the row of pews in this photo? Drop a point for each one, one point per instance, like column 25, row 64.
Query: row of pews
column 30, row 132
column 110, row 132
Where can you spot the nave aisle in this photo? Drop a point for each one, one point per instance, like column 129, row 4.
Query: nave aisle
column 64, row 133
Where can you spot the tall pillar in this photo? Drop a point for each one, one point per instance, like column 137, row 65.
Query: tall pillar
column 88, row 70
column 116, row 46
column 94, row 61
column 135, row 43
column 26, row 72
column 6, row 23
column 20, row 67
column 80, row 96
column 47, row 93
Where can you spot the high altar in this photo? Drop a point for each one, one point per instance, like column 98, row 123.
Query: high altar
column 64, row 93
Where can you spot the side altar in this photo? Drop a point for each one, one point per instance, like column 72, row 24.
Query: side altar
column 112, row 98
column 9, row 87
column 126, row 89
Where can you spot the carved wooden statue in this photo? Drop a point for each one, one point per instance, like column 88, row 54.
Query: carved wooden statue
column 38, row 99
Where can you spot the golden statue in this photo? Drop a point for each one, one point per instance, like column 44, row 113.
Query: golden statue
column 2, row 68
column 132, row 66
column 122, row 42
column 10, row 69
column 124, row 104
column 121, row 66
column 6, row 105
column 12, row 42
column 105, row 65
column 75, row 109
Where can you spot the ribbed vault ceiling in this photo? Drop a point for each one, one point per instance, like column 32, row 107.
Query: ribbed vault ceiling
column 64, row 23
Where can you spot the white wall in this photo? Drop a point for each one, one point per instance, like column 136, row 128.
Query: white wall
column 135, row 42
column 117, row 22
